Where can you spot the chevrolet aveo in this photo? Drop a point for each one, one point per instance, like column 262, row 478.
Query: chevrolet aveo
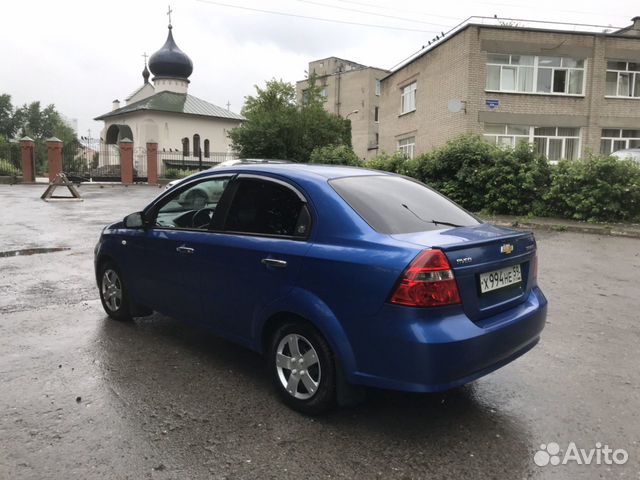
column 343, row 277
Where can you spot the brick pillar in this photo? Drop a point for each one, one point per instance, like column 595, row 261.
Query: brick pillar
column 27, row 150
column 54, row 157
column 126, row 161
column 152, row 163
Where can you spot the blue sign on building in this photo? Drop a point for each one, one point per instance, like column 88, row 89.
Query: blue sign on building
column 493, row 104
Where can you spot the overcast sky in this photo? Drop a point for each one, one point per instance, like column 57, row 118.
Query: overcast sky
column 81, row 55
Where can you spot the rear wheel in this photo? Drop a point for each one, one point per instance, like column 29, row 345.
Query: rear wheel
column 113, row 295
column 302, row 368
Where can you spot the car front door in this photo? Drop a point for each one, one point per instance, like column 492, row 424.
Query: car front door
column 169, row 253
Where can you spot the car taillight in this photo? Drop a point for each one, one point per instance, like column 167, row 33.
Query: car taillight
column 427, row 282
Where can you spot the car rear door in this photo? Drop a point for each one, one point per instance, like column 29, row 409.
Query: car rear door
column 257, row 252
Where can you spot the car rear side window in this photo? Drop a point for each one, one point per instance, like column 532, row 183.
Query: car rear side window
column 392, row 205
column 268, row 208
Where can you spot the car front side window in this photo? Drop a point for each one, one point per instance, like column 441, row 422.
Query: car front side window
column 192, row 207
column 267, row 208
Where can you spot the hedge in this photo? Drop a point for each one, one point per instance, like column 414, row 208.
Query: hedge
column 517, row 181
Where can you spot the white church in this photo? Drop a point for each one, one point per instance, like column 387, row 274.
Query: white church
column 165, row 113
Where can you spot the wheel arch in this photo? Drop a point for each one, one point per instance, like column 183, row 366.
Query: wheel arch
column 304, row 306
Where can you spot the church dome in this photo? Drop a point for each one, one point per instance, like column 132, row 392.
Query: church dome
column 170, row 61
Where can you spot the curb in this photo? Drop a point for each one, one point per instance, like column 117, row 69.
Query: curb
column 610, row 230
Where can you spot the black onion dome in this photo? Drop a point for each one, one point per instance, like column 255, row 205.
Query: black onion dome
column 145, row 74
column 170, row 61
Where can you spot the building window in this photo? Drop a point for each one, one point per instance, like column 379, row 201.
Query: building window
column 614, row 139
column 207, row 153
column 185, row 147
column 376, row 113
column 623, row 79
column 324, row 93
column 555, row 143
column 377, row 139
column 407, row 146
column 196, row 145
column 535, row 74
column 408, row 98
column 377, row 87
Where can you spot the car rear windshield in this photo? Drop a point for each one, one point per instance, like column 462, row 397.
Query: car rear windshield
column 392, row 205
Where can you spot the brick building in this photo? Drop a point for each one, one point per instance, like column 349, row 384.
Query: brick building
column 565, row 91
column 352, row 91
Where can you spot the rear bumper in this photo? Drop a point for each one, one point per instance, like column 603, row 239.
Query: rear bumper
column 414, row 352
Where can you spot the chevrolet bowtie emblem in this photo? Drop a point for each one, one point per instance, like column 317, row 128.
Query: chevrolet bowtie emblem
column 507, row 248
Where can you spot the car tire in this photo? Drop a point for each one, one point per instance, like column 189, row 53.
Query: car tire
column 302, row 368
column 113, row 294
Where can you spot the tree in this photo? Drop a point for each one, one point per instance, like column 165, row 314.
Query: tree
column 7, row 127
column 276, row 127
column 36, row 122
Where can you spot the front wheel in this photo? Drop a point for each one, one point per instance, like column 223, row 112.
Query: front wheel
column 302, row 368
column 113, row 295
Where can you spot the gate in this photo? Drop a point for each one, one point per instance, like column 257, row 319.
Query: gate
column 10, row 159
column 89, row 160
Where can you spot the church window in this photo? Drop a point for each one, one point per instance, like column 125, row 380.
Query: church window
column 185, row 147
column 207, row 154
column 196, row 145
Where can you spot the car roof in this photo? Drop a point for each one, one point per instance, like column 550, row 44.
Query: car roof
column 303, row 170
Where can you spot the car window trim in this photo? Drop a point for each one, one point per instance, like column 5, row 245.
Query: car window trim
column 233, row 188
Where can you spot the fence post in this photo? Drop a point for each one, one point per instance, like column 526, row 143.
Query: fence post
column 126, row 161
column 27, row 152
column 152, row 163
column 54, row 157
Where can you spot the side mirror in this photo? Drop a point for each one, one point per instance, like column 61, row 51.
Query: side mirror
column 134, row 220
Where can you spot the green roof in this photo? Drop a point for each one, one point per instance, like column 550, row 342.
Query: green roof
column 174, row 103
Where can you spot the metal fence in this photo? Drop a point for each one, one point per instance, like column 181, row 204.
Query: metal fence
column 91, row 160
column 174, row 164
column 10, row 159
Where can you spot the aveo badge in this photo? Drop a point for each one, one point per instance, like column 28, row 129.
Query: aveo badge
column 507, row 248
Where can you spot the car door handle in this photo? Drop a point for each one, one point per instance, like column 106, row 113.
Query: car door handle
column 274, row 262
column 183, row 249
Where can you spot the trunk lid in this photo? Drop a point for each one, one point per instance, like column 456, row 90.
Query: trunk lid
column 475, row 252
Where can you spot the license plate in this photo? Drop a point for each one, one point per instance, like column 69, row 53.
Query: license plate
column 500, row 278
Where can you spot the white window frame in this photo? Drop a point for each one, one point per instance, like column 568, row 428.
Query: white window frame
column 509, row 139
column 407, row 146
column 623, row 142
column 634, row 95
column 537, row 67
column 378, row 87
column 408, row 98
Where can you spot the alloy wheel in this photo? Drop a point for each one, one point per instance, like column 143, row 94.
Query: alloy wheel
column 298, row 366
column 111, row 290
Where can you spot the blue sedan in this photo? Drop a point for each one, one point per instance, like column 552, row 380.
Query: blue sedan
column 343, row 277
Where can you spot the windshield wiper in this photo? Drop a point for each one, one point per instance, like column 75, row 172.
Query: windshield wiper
column 435, row 222
column 449, row 224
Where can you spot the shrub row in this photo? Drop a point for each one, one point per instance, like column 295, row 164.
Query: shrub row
column 517, row 181
column 8, row 169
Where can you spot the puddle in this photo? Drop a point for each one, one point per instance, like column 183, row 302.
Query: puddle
column 31, row 251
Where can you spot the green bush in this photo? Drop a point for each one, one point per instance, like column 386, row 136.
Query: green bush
column 597, row 188
column 335, row 155
column 515, row 181
column 456, row 170
column 173, row 173
column 8, row 169
column 394, row 163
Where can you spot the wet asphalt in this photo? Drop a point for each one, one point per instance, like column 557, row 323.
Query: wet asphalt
column 85, row 397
